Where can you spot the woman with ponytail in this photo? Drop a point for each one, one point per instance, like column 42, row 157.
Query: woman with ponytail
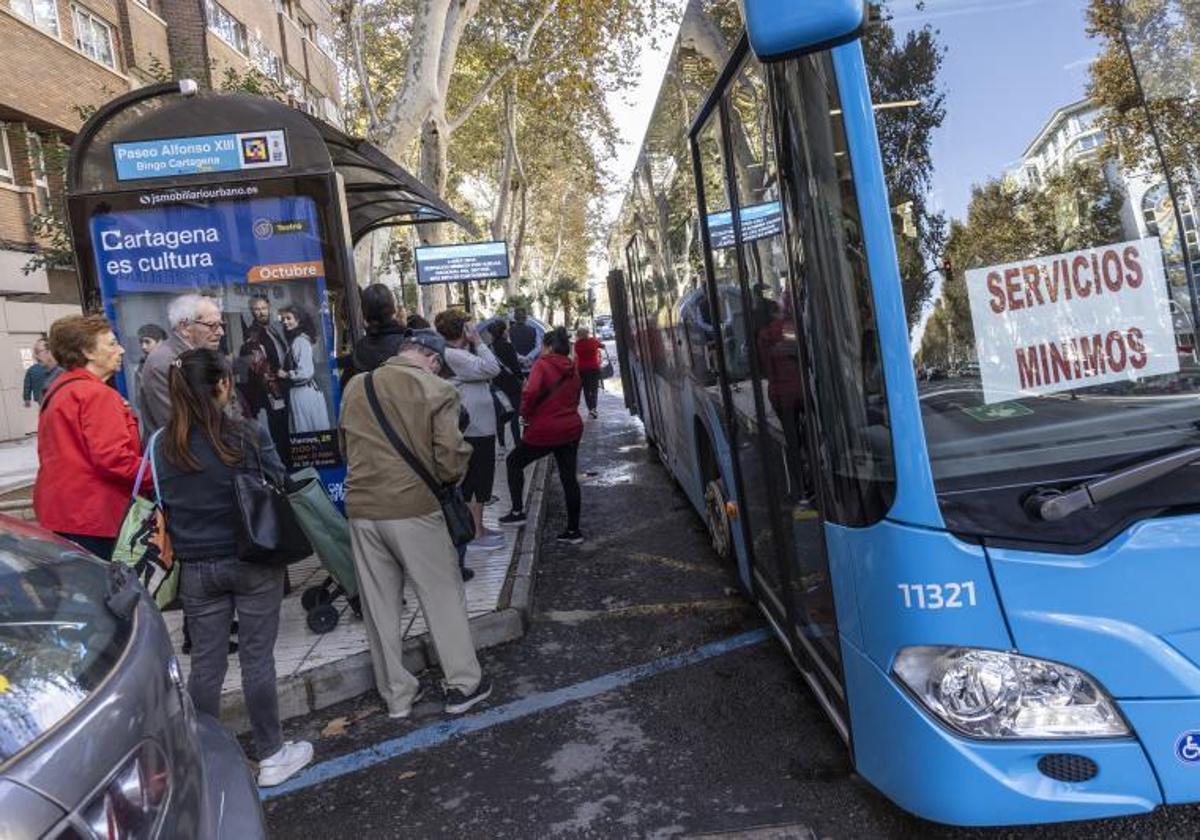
column 197, row 455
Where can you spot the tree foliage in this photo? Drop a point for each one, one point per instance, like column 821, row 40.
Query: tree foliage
column 515, row 121
column 1159, row 99
column 910, row 107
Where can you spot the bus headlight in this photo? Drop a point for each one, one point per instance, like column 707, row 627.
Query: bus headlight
column 992, row 694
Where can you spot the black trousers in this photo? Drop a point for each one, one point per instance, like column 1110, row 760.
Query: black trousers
column 591, row 387
column 567, row 458
column 514, row 422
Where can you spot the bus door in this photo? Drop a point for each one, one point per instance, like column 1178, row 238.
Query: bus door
column 633, row 335
column 736, row 344
column 646, row 336
column 779, row 381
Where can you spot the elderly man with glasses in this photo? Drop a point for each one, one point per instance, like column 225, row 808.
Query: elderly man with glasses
column 196, row 321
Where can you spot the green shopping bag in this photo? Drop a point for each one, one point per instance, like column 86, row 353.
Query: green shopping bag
column 327, row 530
column 143, row 542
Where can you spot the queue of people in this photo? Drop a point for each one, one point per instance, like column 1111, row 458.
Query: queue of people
column 421, row 412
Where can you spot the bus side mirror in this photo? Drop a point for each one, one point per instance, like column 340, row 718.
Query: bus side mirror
column 782, row 28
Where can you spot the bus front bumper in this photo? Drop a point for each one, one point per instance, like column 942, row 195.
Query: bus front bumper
column 935, row 774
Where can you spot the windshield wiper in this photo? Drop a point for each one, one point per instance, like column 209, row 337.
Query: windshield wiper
column 1052, row 505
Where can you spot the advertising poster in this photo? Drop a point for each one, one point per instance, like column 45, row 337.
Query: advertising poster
column 1074, row 320
column 262, row 258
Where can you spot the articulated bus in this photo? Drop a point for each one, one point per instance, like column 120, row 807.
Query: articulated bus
column 906, row 301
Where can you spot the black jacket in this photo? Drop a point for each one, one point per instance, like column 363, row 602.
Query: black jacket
column 509, row 380
column 199, row 506
column 376, row 347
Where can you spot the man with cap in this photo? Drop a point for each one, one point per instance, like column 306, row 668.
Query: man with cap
column 397, row 529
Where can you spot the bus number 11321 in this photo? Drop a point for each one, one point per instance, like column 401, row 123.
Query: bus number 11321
column 938, row 596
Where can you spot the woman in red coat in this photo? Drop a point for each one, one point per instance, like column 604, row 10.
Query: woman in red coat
column 550, row 405
column 587, row 358
column 88, row 448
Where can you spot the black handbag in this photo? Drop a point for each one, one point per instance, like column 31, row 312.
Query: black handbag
column 268, row 532
column 459, row 521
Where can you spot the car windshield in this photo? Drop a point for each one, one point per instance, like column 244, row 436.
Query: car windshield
column 1042, row 165
column 58, row 639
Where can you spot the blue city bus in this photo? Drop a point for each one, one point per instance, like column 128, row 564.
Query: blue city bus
column 905, row 298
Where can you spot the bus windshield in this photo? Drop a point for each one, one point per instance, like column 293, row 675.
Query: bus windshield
column 1042, row 165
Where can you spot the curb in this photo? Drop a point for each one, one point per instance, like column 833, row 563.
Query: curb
column 517, row 593
column 345, row 679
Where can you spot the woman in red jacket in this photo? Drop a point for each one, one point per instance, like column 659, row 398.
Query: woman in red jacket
column 88, row 448
column 550, row 405
column 587, row 357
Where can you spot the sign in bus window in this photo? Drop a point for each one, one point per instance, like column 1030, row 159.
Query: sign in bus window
column 759, row 221
column 1073, row 320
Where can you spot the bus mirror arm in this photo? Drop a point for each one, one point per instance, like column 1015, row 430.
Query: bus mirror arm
column 1052, row 505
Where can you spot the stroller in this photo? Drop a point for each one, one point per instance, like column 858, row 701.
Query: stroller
column 329, row 534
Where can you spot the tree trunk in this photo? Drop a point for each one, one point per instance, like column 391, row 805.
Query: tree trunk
column 558, row 245
column 435, row 137
column 519, row 247
column 505, row 183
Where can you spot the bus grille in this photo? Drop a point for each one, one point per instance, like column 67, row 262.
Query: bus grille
column 1064, row 767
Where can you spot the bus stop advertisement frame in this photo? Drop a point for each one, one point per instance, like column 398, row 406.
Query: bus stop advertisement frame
column 172, row 191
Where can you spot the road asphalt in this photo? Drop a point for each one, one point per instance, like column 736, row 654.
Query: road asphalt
column 646, row 700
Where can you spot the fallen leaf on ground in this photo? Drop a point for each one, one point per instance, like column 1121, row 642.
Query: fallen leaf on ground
column 335, row 727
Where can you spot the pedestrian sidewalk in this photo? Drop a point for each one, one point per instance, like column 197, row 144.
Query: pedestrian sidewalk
column 316, row 671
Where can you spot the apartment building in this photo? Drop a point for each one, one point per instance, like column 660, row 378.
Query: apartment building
column 1072, row 135
column 59, row 59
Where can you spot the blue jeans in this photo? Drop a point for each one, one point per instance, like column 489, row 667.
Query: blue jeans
column 211, row 591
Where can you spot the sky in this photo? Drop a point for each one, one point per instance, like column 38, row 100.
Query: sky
column 631, row 112
column 1009, row 65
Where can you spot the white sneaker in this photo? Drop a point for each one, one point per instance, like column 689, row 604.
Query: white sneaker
column 487, row 542
column 291, row 758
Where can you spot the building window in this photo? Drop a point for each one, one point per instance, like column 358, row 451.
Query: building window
column 267, row 62
column 6, row 166
column 41, row 13
column 314, row 103
column 93, row 36
column 307, row 26
column 326, row 44
column 231, row 30
column 295, row 88
column 37, row 168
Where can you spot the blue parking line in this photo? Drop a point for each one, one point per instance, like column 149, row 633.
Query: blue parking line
column 440, row 733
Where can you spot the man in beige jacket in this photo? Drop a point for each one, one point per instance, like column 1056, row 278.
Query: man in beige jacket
column 396, row 522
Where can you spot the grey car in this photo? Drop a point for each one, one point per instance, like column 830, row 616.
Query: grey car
column 98, row 737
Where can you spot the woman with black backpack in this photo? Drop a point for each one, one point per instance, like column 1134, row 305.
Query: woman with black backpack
column 550, row 406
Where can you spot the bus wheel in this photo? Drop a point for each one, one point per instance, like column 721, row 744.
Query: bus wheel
column 716, row 517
